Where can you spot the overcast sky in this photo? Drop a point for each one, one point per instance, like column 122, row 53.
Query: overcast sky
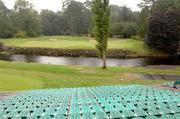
column 56, row 5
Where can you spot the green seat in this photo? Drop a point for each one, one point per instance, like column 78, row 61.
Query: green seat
column 127, row 113
column 177, row 84
column 151, row 117
column 140, row 113
column 74, row 116
column 87, row 116
column 154, row 112
column 101, row 115
column 115, row 114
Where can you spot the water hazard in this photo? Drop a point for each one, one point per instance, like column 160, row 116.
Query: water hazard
column 86, row 61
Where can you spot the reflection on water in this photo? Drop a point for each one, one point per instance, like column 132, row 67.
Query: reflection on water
column 90, row 61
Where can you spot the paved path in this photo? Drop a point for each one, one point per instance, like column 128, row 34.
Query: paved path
column 158, row 77
column 4, row 95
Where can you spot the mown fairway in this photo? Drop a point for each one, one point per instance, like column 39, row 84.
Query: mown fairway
column 69, row 42
column 21, row 76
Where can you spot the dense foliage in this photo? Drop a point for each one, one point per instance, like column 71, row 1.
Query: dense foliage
column 164, row 31
column 53, row 23
column 6, row 26
column 164, row 26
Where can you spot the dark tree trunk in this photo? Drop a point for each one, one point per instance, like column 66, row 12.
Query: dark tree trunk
column 104, row 60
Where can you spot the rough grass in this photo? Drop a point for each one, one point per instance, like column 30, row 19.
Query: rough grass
column 22, row 76
column 80, row 42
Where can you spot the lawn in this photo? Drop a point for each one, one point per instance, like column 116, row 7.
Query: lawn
column 22, row 76
column 69, row 42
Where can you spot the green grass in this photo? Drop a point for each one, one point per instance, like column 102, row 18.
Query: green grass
column 22, row 76
column 69, row 42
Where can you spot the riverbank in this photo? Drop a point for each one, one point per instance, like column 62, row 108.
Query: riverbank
column 23, row 76
column 111, row 53
column 78, row 47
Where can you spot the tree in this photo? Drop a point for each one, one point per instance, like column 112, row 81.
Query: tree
column 150, row 7
column 122, row 20
column 177, row 4
column 143, row 22
column 116, row 30
column 6, row 26
column 147, row 3
column 164, row 31
column 101, row 15
column 126, row 14
column 159, row 5
column 49, row 22
column 163, row 5
column 77, row 16
column 53, row 23
column 26, row 18
column 123, row 14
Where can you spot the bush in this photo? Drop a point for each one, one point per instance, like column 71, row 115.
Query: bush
column 164, row 31
column 1, row 46
column 6, row 34
column 21, row 34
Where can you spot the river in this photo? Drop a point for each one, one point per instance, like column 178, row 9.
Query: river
column 86, row 61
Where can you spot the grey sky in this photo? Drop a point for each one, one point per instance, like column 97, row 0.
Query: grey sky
column 56, row 5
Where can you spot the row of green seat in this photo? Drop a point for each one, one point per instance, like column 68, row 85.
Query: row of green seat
column 133, row 101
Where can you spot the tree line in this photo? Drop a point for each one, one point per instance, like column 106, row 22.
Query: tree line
column 75, row 18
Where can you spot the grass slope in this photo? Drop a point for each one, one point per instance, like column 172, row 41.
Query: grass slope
column 22, row 76
column 79, row 42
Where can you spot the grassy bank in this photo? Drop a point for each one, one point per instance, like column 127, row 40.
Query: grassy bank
column 69, row 42
column 22, row 76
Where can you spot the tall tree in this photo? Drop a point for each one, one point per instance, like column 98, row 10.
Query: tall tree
column 101, row 15
column 123, row 21
column 6, row 26
column 77, row 16
column 143, row 21
column 53, row 23
column 26, row 18
column 126, row 14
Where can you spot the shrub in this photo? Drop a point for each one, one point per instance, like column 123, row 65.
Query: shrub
column 1, row 46
column 6, row 34
column 21, row 34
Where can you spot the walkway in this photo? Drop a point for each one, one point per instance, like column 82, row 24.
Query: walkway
column 158, row 77
column 5, row 95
